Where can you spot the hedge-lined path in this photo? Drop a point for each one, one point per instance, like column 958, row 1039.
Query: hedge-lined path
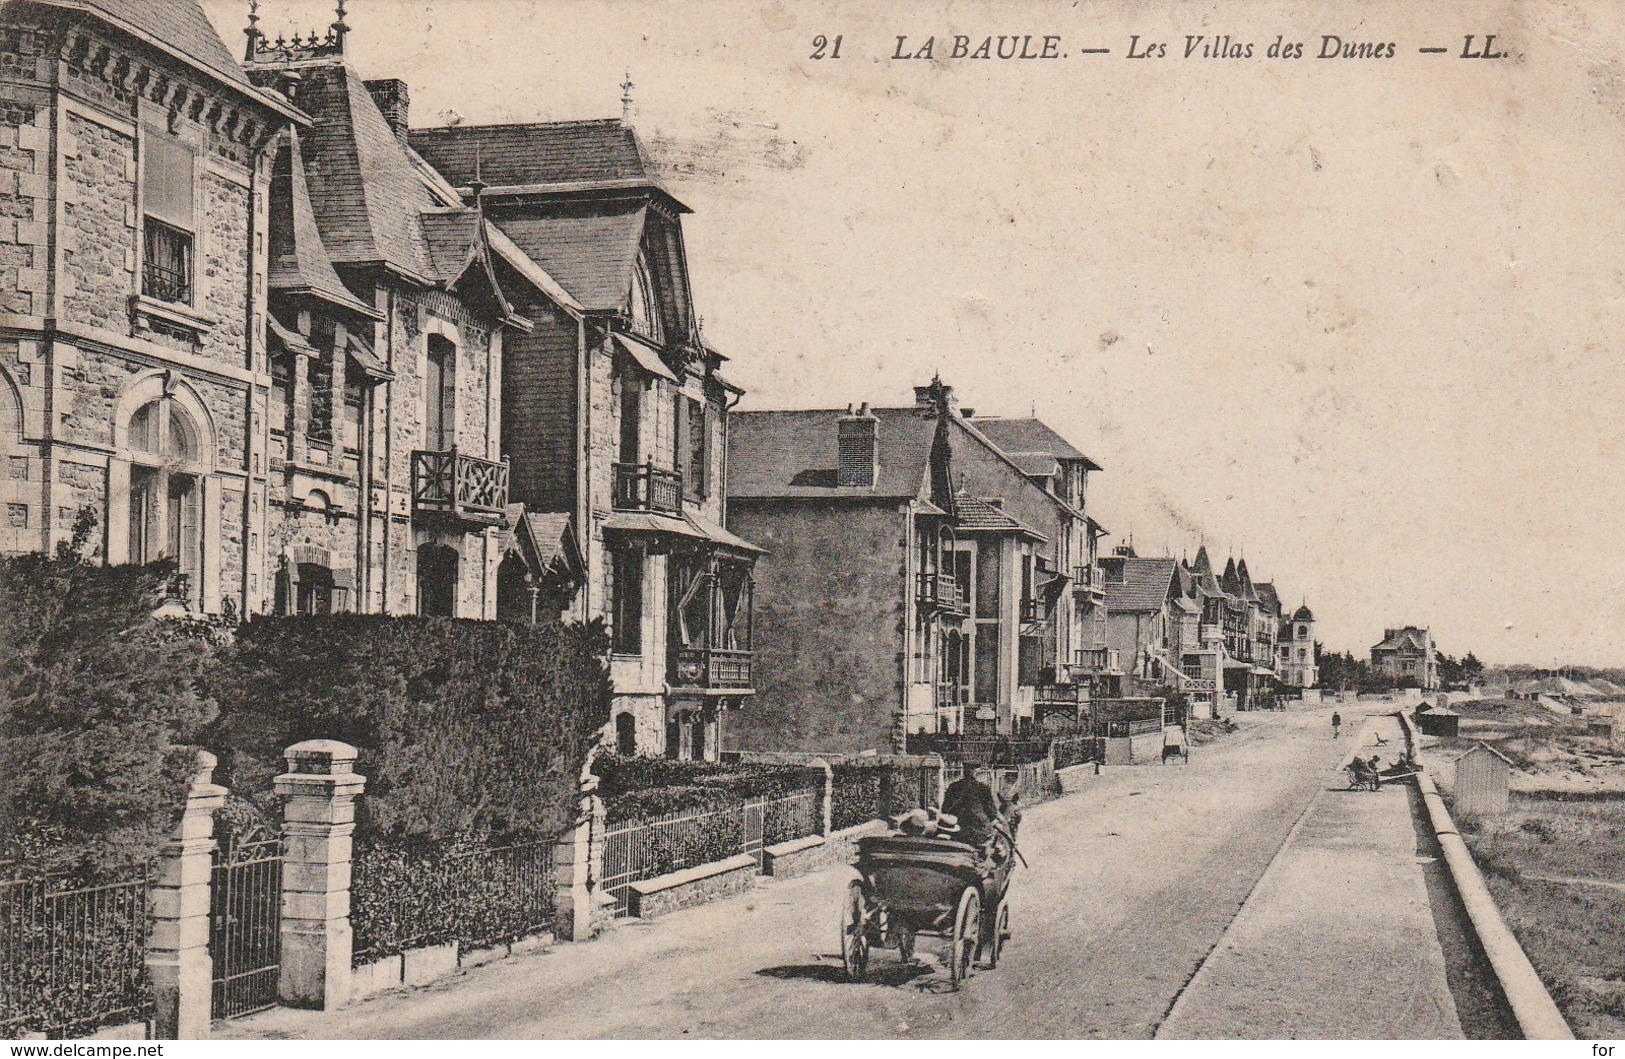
column 1338, row 939
column 1133, row 882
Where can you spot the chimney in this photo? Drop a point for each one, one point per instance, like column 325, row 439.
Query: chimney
column 857, row 456
column 394, row 99
column 937, row 398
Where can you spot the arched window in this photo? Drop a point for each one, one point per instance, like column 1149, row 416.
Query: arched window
column 626, row 734
column 437, row 581
column 11, row 411
column 166, row 502
column 645, row 310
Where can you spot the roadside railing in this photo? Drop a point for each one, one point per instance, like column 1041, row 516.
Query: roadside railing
column 72, row 955
column 644, row 848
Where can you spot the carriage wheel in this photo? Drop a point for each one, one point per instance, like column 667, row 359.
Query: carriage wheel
column 966, row 937
column 992, row 949
column 855, row 933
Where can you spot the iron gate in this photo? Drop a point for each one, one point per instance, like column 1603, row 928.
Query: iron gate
column 245, row 915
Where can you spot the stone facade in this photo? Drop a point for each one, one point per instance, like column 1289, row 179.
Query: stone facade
column 132, row 386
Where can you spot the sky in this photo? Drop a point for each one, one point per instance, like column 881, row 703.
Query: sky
column 1356, row 320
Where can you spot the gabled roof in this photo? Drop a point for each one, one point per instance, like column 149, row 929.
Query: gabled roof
column 365, row 190
column 977, row 514
column 1029, row 436
column 592, row 254
column 1479, row 747
column 452, row 237
column 1035, row 464
column 1267, row 595
column 544, row 539
column 298, row 262
column 1145, row 586
column 1409, row 638
column 792, row 454
column 540, row 157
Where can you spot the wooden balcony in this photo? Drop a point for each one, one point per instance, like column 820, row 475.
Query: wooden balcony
column 1094, row 661
column 645, row 487
column 710, row 669
column 1088, row 580
column 451, row 485
column 941, row 592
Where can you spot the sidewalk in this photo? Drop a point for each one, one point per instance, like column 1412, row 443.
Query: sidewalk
column 1337, row 940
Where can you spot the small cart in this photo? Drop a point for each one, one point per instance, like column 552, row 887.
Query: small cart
column 911, row 886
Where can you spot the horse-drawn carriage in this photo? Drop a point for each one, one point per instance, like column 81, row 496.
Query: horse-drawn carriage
column 914, row 885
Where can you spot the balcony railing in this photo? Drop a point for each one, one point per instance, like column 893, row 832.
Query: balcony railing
column 948, row 695
column 645, row 487
column 1095, row 660
column 165, row 284
column 1034, row 610
column 464, row 487
column 1087, row 579
column 711, row 668
column 941, row 592
column 1061, row 695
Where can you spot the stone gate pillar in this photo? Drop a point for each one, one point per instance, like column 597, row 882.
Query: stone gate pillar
column 178, row 962
column 578, row 872
column 318, row 792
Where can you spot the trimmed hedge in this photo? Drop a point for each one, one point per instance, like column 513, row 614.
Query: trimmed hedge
column 640, row 787
column 100, row 712
column 463, row 727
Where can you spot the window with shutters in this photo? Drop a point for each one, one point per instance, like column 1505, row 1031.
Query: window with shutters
column 168, row 185
column 697, row 440
column 627, row 596
column 439, row 395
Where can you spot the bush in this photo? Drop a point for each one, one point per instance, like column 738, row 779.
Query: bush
column 463, row 727
column 100, row 712
column 641, row 787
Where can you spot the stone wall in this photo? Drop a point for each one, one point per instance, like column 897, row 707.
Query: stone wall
column 830, row 605
column 99, row 225
column 24, row 205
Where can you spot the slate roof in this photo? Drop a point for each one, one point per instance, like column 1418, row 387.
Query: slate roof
column 556, row 155
column 1403, row 639
column 451, row 237
column 1303, row 613
column 792, row 454
column 366, row 192
column 592, row 255
column 298, row 262
column 1202, row 565
column 180, row 28
column 549, row 532
column 1267, row 595
column 1029, row 435
column 1144, row 586
column 977, row 514
column 1035, row 464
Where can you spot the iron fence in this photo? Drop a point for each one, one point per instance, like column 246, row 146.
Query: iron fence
column 979, row 749
column 245, row 924
column 72, row 955
column 639, row 849
column 407, row 896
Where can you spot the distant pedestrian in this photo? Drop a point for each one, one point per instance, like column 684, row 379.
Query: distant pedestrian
column 1337, row 724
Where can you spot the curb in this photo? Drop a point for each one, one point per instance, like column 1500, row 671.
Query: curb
column 1532, row 1005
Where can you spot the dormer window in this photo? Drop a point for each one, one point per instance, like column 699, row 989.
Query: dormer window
column 645, row 314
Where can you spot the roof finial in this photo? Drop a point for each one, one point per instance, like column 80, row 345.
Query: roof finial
column 253, row 30
column 626, row 99
column 340, row 28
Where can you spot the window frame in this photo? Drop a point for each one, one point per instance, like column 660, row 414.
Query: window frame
column 150, row 135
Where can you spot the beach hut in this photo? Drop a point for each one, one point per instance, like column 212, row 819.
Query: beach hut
column 1483, row 780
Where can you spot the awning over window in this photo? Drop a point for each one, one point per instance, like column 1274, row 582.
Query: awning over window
column 360, row 351
column 690, row 526
column 646, row 355
column 289, row 339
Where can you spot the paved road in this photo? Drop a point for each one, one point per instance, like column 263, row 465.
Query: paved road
column 1133, row 882
column 1337, row 940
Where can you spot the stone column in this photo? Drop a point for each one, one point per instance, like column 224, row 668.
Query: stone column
column 578, row 867
column 177, row 959
column 829, row 794
column 318, row 792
